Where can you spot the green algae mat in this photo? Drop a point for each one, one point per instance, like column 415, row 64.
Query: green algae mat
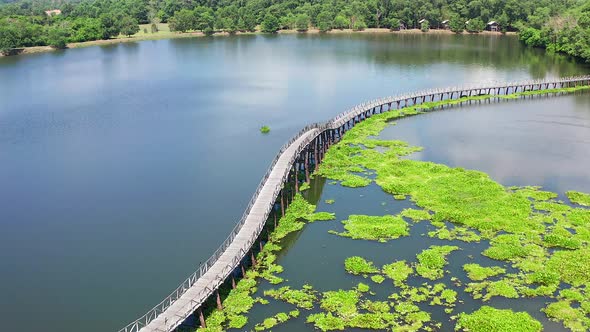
column 538, row 244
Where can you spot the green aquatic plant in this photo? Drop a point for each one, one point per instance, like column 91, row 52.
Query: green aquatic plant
column 579, row 198
column 321, row 216
column 265, row 129
column 477, row 272
column 432, row 260
column 378, row 278
column 398, row 272
column 375, row 228
column 329, row 201
column 573, row 267
column 508, row 247
column 301, row 298
column 534, row 193
column 362, row 288
column 416, row 215
column 271, row 322
column 376, row 306
column 488, row 319
column 575, row 319
column 456, row 233
column 341, row 302
column 358, row 265
column 326, row 322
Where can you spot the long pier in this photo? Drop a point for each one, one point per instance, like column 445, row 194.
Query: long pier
column 292, row 166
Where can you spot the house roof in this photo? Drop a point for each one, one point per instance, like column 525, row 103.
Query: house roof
column 53, row 12
column 423, row 20
column 492, row 22
column 445, row 22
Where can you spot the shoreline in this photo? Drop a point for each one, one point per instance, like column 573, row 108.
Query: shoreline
column 175, row 35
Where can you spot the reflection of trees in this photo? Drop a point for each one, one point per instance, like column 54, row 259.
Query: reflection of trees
column 501, row 52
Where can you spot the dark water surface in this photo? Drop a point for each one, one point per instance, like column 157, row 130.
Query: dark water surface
column 124, row 166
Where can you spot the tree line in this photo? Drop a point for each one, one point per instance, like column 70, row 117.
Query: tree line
column 559, row 25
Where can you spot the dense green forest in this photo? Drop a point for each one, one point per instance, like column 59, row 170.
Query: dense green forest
column 558, row 25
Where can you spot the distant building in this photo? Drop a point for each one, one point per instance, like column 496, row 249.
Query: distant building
column 423, row 21
column 445, row 25
column 53, row 12
column 493, row 26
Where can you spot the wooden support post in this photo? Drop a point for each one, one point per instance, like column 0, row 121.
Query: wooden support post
column 275, row 215
column 305, row 165
column 315, row 156
column 243, row 270
column 260, row 245
column 296, row 169
column 219, row 305
column 282, row 203
column 233, row 282
column 252, row 257
column 202, row 318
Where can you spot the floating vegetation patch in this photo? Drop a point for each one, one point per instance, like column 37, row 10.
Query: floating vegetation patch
column 455, row 233
column 579, row 198
column 329, row 201
column 432, row 261
column 487, row 289
column 398, row 272
column 534, row 192
column 477, row 272
column 358, row 265
column 488, row 319
column 416, row 215
column 572, row 309
column 265, row 129
column 378, row 279
column 301, row 298
column 277, row 319
column 374, row 228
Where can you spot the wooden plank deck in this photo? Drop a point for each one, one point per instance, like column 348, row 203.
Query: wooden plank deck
column 174, row 315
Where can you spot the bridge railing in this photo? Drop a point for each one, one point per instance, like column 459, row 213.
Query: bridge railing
column 334, row 123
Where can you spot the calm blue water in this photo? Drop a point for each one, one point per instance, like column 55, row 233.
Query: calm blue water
column 122, row 167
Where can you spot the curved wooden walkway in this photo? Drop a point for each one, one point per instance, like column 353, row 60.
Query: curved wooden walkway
column 312, row 141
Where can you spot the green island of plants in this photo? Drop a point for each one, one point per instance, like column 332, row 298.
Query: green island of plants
column 477, row 272
column 488, row 319
column 432, row 261
column 359, row 265
column 376, row 228
column 579, row 198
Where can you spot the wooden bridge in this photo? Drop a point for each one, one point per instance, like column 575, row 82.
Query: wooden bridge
column 300, row 155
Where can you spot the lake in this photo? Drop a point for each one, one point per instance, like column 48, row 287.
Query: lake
column 124, row 166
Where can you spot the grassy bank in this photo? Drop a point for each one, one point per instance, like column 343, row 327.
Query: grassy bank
column 165, row 33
